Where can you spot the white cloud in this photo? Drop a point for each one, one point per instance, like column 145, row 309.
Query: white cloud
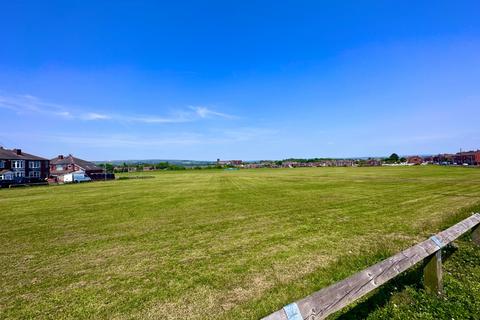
column 121, row 140
column 153, row 119
column 204, row 112
column 24, row 104
column 65, row 114
column 95, row 116
column 114, row 140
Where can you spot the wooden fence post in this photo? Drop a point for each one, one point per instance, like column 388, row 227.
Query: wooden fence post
column 326, row 301
column 476, row 235
column 432, row 274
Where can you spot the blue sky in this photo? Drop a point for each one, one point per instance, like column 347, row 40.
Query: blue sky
column 239, row 79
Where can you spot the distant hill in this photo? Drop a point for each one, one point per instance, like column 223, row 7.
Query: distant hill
column 185, row 163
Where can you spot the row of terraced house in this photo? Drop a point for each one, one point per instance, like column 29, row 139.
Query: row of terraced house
column 470, row 158
column 18, row 167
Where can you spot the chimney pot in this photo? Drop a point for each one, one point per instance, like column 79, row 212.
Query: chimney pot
column 18, row 151
column 60, row 156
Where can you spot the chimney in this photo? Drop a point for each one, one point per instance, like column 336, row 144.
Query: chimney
column 18, row 151
column 60, row 156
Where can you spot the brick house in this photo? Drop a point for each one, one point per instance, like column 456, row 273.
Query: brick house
column 469, row 157
column 444, row 158
column 415, row 160
column 373, row 162
column 22, row 167
column 63, row 165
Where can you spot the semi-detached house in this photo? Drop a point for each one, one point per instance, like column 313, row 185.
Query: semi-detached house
column 17, row 165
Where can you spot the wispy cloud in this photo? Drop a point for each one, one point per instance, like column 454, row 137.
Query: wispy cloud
column 95, row 116
column 64, row 114
column 204, row 112
column 177, row 118
column 212, row 137
column 25, row 104
column 29, row 104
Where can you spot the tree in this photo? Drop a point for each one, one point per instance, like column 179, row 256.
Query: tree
column 394, row 157
column 162, row 165
column 108, row 167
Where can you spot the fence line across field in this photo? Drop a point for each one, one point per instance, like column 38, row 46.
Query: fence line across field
column 337, row 296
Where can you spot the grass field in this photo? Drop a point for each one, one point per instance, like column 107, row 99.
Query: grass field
column 213, row 244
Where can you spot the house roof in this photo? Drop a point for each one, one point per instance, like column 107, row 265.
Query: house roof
column 13, row 155
column 85, row 165
column 467, row 153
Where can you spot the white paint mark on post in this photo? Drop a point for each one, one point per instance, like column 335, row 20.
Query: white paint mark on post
column 437, row 241
column 292, row 312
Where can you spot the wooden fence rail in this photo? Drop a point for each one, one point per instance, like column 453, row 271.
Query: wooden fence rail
column 333, row 298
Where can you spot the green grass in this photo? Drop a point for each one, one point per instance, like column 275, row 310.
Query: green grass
column 409, row 300
column 213, row 244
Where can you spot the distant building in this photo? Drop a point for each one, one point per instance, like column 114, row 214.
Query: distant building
column 17, row 166
column 444, row 158
column 373, row 162
column 428, row 159
column 470, row 157
column 63, row 165
column 229, row 162
column 415, row 160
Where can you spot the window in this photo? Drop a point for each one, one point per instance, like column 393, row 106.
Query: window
column 18, row 174
column 6, row 176
column 17, row 164
column 2, row 164
column 34, row 164
column 59, row 167
column 34, row 174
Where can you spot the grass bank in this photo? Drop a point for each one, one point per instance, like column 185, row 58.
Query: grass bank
column 213, row 244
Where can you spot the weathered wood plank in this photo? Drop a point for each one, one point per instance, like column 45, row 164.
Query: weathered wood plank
column 333, row 298
column 432, row 274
